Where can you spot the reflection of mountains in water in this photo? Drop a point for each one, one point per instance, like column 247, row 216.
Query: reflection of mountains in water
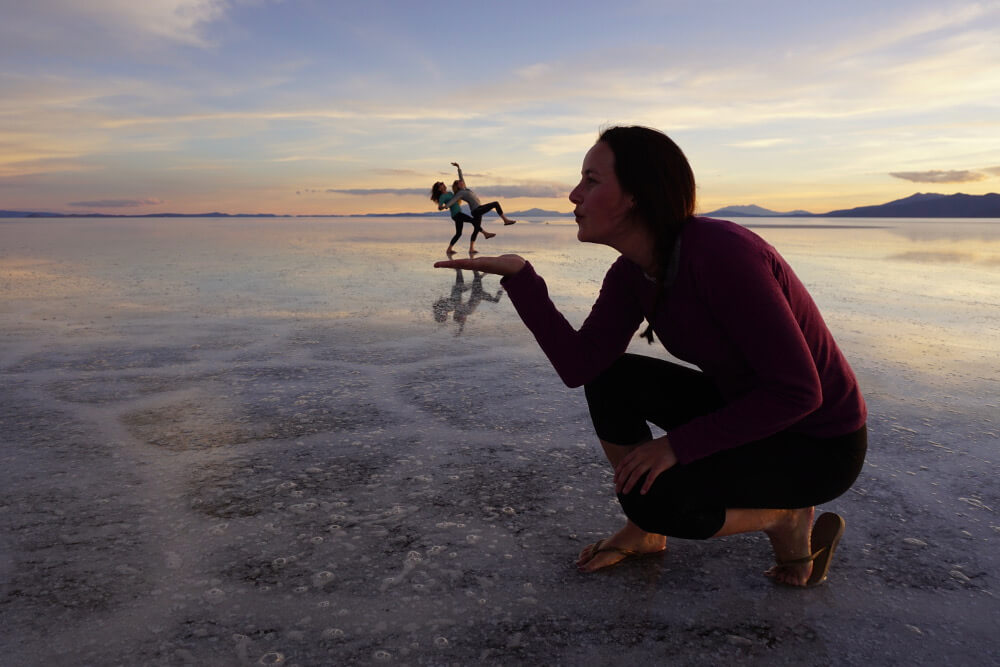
column 919, row 205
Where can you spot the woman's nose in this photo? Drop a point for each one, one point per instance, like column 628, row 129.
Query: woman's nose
column 574, row 195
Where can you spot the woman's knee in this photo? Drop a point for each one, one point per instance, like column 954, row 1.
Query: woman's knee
column 616, row 413
column 617, row 377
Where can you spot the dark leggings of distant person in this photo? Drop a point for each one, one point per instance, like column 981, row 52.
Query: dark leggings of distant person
column 460, row 218
column 480, row 211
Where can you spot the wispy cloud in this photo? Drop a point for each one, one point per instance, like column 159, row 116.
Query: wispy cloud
column 116, row 23
column 540, row 191
column 939, row 176
column 401, row 192
column 760, row 143
column 406, row 173
column 115, row 203
column 427, row 114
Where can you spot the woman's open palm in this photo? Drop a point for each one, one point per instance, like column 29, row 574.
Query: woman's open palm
column 504, row 265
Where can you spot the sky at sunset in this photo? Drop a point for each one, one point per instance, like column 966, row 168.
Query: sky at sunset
column 321, row 107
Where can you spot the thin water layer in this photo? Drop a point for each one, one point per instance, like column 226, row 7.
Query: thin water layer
column 260, row 441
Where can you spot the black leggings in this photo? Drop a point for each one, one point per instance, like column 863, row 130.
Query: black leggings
column 480, row 211
column 783, row 471
column 461, row 218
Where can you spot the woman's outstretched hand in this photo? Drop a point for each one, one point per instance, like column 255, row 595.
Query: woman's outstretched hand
column 650, row 459
column 504, row 265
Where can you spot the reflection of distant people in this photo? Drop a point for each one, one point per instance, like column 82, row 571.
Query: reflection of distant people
column 454, row 303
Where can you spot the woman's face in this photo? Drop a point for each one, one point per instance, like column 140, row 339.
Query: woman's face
column 602, row 207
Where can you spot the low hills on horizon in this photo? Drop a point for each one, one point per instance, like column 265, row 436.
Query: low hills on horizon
column 919, row 205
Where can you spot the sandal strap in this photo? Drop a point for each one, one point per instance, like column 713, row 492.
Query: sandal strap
column 599, row 547
column 804, row 559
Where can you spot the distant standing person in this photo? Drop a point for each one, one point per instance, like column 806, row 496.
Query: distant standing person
column 443, row 198
column 476, row 209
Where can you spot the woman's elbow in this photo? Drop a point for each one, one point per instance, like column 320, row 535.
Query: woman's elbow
column 573, row 379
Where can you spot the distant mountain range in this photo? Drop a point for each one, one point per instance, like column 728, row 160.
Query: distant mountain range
column 929, row 205
column 919, row 205
column 751, row 211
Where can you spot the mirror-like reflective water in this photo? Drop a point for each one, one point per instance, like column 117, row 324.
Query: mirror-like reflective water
column 293, row 441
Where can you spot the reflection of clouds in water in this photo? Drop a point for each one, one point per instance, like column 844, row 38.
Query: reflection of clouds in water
column 947, row 230
column 271, row 435
column 752, row 225
column 945, row 349
column 34, row 278
column 934, row 257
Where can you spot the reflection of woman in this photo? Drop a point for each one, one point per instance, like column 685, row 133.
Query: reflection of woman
column 770, row 424
column 443, row 198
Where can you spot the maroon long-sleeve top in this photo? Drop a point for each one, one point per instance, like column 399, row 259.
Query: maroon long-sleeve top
column 737, row 311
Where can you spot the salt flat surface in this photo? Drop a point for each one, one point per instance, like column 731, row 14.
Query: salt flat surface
column 271, row 441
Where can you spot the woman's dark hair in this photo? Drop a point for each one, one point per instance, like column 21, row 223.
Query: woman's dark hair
column 652, row 168
column 435, row 193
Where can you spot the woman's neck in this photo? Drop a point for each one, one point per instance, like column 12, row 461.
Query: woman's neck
column 640, row 247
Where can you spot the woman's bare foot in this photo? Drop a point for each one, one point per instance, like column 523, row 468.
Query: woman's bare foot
column 790, row 541
column 508, row 221
column 607, row 552
column 473, row 251
column 488, row 235
column 450, row 251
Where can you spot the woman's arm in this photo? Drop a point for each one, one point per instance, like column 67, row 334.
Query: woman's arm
column 578, row 356
column 458, row 198
column 504, row 265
